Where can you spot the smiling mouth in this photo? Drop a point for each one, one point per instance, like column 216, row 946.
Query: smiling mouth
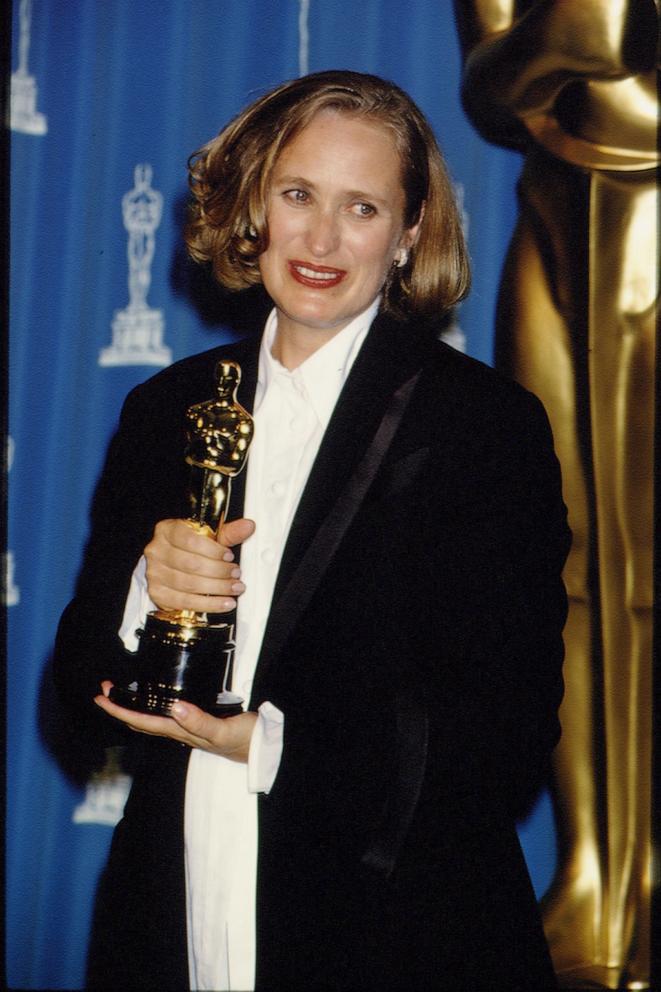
column 318, row 276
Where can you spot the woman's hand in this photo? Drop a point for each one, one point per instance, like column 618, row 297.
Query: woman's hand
column 187, row 570
column 229, row 737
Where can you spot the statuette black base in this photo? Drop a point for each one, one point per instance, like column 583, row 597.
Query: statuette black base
column 181, row 661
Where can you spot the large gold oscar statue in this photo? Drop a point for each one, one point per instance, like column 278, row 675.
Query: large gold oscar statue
column 572, row 83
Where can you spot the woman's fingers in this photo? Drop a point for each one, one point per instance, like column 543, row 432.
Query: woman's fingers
column 187, row 570
column 228, row 737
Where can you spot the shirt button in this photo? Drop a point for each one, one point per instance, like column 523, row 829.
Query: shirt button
column 278, row 489
column 267, row 556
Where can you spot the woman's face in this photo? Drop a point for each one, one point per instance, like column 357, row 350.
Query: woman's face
column 336, row 221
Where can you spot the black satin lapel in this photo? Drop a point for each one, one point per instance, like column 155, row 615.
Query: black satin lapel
column 391, row 353
column 338, row 483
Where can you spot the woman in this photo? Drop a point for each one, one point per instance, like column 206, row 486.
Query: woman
column 399, row 603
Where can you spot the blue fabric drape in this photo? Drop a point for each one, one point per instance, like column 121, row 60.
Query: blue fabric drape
column 116, row 84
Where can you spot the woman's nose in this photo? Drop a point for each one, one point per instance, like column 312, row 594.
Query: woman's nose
column 323, row 234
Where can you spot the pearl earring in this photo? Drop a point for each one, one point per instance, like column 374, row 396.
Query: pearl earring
column 402, row 258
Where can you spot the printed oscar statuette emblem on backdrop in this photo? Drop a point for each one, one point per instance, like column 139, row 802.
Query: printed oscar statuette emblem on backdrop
column 137, row 330
column 23, row 114
column 12, row 594
column 182, row 655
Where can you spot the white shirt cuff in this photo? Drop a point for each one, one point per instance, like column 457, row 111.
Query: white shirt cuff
column 138, row 605
column 265, row 748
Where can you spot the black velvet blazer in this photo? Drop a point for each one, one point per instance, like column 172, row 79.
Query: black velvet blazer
column 414, row 645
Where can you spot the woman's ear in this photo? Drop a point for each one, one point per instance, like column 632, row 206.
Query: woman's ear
column 411, row 234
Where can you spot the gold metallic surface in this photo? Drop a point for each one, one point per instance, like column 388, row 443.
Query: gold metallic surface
column 219, row 433
column 574, row 86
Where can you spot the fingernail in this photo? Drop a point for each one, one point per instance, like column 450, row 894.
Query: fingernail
column 178, row 709
column 228, row 556
column 238, row 587
column 236, row 573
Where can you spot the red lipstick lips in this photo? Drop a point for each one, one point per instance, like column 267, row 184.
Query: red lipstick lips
column 316, row 276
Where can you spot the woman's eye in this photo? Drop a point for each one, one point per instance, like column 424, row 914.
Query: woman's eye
column 296, row 195
column 363, row 209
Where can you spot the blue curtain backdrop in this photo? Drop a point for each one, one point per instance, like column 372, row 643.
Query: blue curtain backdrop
column 98, row 88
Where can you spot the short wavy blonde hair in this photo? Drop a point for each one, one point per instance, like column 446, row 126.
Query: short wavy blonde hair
column 230, row 177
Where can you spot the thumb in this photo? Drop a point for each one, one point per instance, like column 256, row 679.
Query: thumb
column 193, row 719
column 235, row 532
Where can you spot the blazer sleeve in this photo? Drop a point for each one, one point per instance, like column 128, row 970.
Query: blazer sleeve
column 497, row 691
column 530, row 612
column 142, row 482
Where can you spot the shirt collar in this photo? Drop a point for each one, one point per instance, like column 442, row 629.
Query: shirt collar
column 323, row 374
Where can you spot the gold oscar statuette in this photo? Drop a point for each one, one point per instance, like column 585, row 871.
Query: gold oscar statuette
column 574, row 86
column 182, row 654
